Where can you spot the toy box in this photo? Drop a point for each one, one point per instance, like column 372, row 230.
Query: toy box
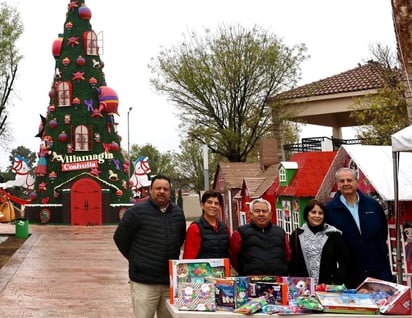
column 347, row 303
column 231, row 292
column 196, row 297
column 275, row 293
column 299, row 286
column 195, row 271
column 253, row 279
column 393, row 299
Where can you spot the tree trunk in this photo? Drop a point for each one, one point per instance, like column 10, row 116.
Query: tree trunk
column 402, row 19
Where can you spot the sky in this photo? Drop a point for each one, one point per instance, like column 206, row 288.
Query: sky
column 338, row 35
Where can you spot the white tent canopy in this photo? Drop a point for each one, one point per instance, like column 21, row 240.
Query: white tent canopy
column 376, row 164
column 402, row 140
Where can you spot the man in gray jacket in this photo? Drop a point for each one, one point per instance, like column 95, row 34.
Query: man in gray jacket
column 149, row 234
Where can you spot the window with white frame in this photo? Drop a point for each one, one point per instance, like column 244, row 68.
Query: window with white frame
column 63, row 93
column 282, row 174
column 92, row 47
column 279, row 217
column 81, row 135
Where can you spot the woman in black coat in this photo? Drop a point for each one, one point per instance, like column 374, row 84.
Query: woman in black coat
column 318, row 249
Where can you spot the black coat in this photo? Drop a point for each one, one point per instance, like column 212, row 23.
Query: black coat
column 334, row 260
column 148, row 238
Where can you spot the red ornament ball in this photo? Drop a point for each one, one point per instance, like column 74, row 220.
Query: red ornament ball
column 57, row 47
column 33, row 196
column 53, row 123
column 85, row 13
column 80, row 61
column 63, row 137
column 114, row 146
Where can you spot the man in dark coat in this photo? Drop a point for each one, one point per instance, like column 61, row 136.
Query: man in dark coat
column 364, row 228
column 260, row 248
column 149, row 234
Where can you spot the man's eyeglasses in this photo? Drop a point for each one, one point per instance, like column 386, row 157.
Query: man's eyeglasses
column 257, row 211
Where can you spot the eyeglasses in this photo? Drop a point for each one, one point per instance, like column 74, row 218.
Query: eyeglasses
column 257, row 211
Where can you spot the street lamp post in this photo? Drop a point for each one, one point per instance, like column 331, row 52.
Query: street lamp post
column 128, row 141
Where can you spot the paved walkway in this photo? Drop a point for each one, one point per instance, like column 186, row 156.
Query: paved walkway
column 65, row 271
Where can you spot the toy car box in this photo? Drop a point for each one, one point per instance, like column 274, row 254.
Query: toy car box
column 195, row 271
column 392, row 299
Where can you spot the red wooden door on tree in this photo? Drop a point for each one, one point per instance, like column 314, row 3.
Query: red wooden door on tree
column 86, row 203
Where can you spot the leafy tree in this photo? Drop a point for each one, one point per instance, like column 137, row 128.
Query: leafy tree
column 11, row 29
column 381, row 115
column 160, row 163
column 221, row 82
column 190, row 164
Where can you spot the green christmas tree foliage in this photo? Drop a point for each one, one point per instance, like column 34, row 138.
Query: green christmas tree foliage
column 79, row 134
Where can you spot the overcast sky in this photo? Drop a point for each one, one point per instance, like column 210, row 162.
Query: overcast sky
column 337, row 34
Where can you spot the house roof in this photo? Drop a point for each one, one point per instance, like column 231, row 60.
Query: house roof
column 312, row 167
column 252, row 184
column 234, row 173
column 258, row 185
column 363, row 77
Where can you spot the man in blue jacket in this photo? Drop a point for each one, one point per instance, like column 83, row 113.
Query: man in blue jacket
column 364, row 228
column 149, row 234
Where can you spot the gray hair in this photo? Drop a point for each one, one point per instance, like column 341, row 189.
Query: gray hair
column 260, row 200
column 354, row 172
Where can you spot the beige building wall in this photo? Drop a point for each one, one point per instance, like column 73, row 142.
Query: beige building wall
column 191, row 206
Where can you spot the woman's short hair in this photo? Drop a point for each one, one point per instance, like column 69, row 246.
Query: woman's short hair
column 310, row 205
column 212, row 194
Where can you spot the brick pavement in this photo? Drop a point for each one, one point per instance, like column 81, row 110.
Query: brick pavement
column 65, row 271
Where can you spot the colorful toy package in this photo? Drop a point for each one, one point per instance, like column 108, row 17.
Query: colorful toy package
column 299, row 286
column 275, row 293
column 347, row 303
column 196, row 297
column 195, row 271
column 253, row 279
column 252, row 306
column 231, row 292
column 391, row 298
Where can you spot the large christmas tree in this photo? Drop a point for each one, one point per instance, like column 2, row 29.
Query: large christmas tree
column 81, row 174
